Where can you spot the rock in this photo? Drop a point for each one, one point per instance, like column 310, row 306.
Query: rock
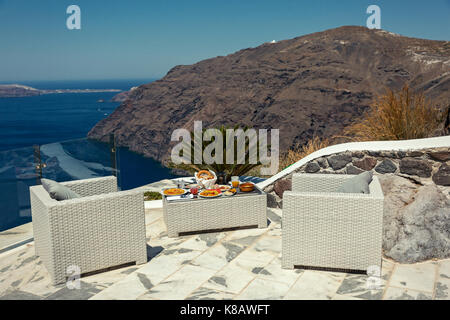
column 414, row 154
column 397, row 192
column 387, row 154
column 312, row 167
column 374, row 153
column 366, row 164
column 416, row 225
column 442, row 176
column 272, row 200
column 339, row 161
column 281, row 186
column 358, row 154
column 411, row 166
column 353, row 170
column 440, row 155
column 424, row 232
column 400, row 154
column 386, row 166
column 322, row 162
column 414, row 179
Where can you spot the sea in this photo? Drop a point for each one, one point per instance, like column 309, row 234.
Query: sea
column 58, row 124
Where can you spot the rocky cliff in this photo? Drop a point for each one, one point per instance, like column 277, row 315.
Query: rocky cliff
column 310, row 85
column 17, row 90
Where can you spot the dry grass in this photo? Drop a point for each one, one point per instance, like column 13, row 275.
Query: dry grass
column 398, row 115
column 298, row 153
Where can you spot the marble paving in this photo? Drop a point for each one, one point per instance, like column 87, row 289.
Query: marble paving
column 240, row 264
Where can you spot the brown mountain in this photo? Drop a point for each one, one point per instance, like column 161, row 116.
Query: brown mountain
column 310, row 85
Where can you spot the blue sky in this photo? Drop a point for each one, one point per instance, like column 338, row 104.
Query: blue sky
column 144, row 39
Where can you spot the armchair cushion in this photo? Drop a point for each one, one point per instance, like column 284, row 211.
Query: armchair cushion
column 357, row 184
column 57, row 191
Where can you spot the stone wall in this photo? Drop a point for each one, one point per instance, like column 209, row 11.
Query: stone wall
column 416, row 187
column 425, row 166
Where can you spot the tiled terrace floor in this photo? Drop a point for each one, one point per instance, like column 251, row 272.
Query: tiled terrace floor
column 242, row 264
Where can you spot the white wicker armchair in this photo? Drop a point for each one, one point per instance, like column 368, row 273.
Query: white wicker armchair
column 323, row 229
column 103, row 229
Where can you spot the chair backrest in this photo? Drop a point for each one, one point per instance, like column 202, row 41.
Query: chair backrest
column 326, row 183
column 93, row 186
column 304, row 182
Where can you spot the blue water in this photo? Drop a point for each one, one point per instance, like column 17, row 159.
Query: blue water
column 56, row 117
column 59, row 123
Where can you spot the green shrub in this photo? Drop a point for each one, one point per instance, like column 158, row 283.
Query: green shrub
column 152, row 195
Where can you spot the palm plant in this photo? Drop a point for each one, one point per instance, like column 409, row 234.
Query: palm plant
column 229, row 169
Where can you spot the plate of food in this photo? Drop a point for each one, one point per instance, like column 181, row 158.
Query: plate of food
column 173, row 192
column 210, row 193
column 230, row 192
column 222, row 187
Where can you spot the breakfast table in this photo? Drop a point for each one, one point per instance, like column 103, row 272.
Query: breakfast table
column 186, row 214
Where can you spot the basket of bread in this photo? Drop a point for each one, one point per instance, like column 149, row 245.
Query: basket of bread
column 206, row 178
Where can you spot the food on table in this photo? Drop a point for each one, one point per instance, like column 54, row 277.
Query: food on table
column 230, row 192
column 173, row 192
column 194, row 191
column 205, row 174
column 210, row 193
column 246, row 187
column 223, row 187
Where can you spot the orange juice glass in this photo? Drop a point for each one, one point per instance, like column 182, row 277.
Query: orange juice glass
column 235, row 181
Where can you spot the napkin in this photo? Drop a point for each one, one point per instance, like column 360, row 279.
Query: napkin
column 171, row 198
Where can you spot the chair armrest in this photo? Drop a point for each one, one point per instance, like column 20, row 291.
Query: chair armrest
column 375, row 188
column 41, row 204
column 112, row 196
column 41, row 196
column 94, row 186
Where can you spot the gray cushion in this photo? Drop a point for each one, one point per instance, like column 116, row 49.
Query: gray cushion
column 358, row 184
column 58, row 191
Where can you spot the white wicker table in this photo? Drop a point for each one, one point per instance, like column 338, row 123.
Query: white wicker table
column 199, row 215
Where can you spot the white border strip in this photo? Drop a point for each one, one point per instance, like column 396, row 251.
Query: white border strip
column 153, row 204
column 400, row 145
